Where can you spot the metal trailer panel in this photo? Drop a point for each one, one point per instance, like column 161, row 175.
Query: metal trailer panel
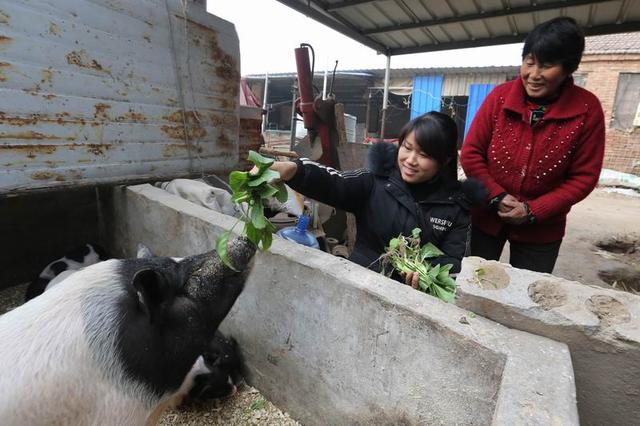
column 426, row 95
column 114, row 91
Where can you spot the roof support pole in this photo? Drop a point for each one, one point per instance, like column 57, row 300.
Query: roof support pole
column 265, row 107
column 324, row 85
column 385, row 98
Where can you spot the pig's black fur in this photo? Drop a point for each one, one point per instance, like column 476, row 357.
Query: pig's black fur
column 164, row 329
column 79, row 254
column 224, row 362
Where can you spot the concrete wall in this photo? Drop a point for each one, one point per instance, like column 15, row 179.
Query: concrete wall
column 334, row 343
column 601, row 327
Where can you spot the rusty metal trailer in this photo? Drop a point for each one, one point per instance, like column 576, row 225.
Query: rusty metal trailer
column 114, row 91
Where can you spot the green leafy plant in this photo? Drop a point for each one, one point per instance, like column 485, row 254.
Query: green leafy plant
column 258, row 404
column 405, row 254
column 251, row 192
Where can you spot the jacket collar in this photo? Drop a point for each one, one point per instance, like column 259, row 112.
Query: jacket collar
column 399, row 189
column 566, row 106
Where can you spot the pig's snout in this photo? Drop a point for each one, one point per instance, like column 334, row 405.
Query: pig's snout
column 241, row 251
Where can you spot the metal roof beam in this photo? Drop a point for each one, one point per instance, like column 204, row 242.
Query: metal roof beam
column 346, row 3
column 482, row 15
column 334, row 23
column 596, row 30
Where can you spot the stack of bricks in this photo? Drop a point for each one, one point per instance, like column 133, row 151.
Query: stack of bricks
column 602, row 71
column 250, row 137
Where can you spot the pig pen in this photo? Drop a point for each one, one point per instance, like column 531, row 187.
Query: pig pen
column 331, row 342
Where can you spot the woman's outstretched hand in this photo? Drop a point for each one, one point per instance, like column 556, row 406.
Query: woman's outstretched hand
column 287, row 170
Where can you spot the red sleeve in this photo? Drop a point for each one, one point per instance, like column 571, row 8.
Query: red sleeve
column 582, row 176
column 473, row 157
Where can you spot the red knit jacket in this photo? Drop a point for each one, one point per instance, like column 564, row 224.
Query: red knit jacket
column 552, row 165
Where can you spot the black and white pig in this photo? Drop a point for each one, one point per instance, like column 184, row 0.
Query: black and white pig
column 60, row 269
column 113, row 342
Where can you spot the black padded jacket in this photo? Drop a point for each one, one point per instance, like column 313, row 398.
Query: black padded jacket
column 385, row 206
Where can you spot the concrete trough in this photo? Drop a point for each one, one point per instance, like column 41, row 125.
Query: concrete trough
column 333, row 343
column 600, row 326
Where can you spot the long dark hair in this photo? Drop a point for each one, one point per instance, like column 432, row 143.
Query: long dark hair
column 437, row 135
column 557, row 41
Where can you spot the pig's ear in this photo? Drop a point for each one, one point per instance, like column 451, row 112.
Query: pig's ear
column 150, row 290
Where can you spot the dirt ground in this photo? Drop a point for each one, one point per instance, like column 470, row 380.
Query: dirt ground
column 599, row 217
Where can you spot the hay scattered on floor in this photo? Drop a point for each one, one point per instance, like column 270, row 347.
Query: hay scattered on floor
column 11, row 297
column 246, row 407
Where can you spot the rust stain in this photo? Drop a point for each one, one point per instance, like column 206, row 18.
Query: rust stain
column 132, row 116
column 60, row 118
column 96, row 149
column 49, row 96
column 181, row 117
column 226, row 69
column 47, row 77
column 4, row 17
column 82, row 59
column 190, row 120
column 30, row 135
column 18, row 121
column 178, row 132
column 5, row 40
column 173, row 150
column 223, row 139
column 30, row 150
column 47, row 175
column 101, row 111
column 54, row 29
column 216, row 120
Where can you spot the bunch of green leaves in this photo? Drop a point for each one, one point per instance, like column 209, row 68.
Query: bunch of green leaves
column 251, row 191
column 404, row 254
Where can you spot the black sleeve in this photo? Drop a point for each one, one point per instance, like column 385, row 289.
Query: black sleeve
column 344, row 190
column 455, row 243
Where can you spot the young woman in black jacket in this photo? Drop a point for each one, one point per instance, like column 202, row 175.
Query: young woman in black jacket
column 412, row 186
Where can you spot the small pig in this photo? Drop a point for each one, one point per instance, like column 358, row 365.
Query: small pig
column 113, row 342
column 59, row 269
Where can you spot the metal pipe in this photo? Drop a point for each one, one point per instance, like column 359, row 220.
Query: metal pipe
column 385, row 98
column 293, row 118
column 324, row 85
column 305, row 86
column 265, row 107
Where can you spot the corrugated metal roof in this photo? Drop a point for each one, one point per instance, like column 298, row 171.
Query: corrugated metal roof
column 105, row 91
column 613, row 44
column 396, row 27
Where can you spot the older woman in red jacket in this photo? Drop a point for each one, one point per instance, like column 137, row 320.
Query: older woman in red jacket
column 537, row 143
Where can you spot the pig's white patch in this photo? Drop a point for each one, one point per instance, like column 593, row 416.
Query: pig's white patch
column 59, row 366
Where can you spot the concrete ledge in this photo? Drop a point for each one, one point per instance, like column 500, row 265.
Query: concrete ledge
column 334, row 343
column 601, row 327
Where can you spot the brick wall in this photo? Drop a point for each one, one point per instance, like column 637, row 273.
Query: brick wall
column 622, row 151
column 250, row 137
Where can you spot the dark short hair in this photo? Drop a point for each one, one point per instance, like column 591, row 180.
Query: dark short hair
column 437, row 135
column 558, row 41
